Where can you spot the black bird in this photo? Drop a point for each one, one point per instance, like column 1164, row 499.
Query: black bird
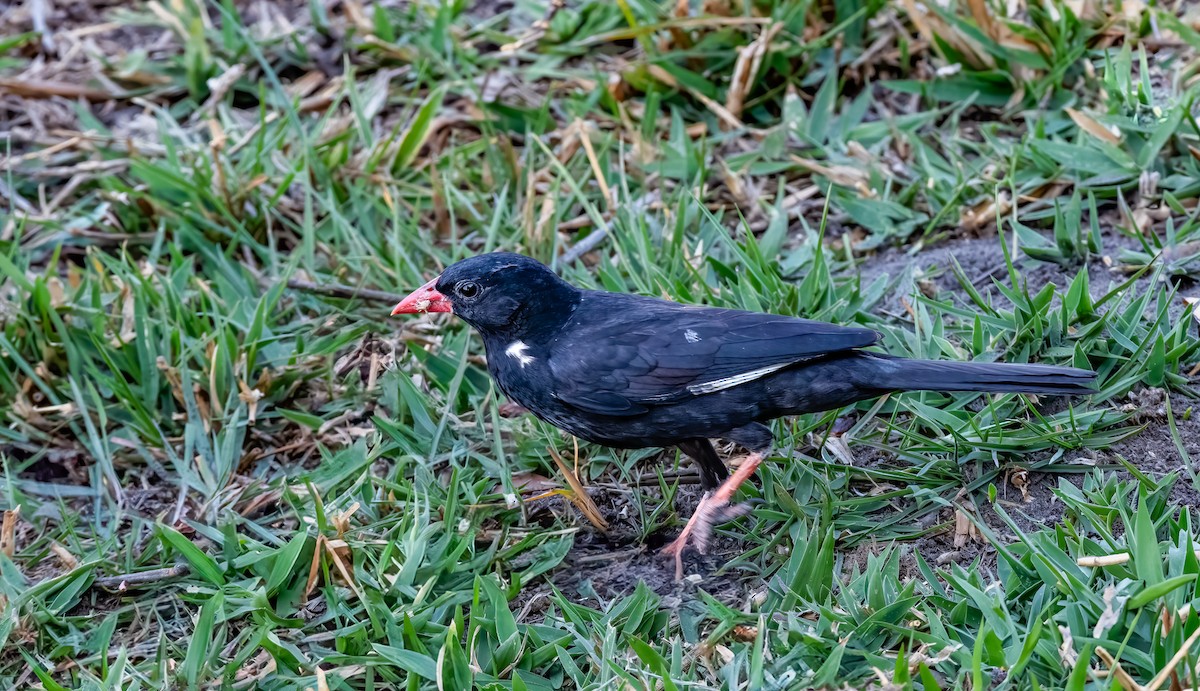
column 628, row 371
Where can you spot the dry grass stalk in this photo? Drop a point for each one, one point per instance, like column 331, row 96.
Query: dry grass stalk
column 8, row 530
column 745, row 70
column 579, row 496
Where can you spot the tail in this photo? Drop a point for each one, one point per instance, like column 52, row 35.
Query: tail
column 899, row 374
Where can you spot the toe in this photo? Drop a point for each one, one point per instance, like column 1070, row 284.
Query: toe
column 728, row 512
column 715, row 515
column 675, row 548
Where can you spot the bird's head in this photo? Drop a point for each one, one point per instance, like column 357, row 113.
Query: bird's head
column 499, row 293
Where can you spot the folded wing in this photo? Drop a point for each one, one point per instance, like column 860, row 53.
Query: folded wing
column 660, row 352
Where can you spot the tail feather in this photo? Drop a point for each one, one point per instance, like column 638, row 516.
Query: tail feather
column 947, row 375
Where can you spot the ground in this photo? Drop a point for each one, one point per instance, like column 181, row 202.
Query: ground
column 225, row 466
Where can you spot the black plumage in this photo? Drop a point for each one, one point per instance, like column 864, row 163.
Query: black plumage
column 632, row 372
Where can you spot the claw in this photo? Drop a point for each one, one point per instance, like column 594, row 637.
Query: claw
column 709, row 516
column 714, row 508
column 709, row 513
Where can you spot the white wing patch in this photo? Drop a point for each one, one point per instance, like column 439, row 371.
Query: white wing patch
column 517, row 352
column 691, row 336
column 735, row 380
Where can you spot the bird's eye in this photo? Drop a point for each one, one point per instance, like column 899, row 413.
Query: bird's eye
column 468, row 289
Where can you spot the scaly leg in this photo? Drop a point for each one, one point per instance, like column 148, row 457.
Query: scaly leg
column 714, row 508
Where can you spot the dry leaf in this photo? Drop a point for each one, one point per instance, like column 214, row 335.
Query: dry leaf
column 746, row 68
column 340, row 520
column 986, row 211
column 354, row 12
column 530, row 482
column 725, row 653
column 679, row 37
column 745, row 633
column 1083, row 9
column 173, row 378
column 932, row 29
column 921, row 657
column 839, row 448
column 597, row 172
column 314, row 568
column 250, row 397
column 846, row 176
column 719, row 110
column 1088, row 124
column 1132, row 11
column 1066, row 652
column 964, row 530
column 736, row 188
column 1141, row 219
column 1019, row 478
column 579, row 496
column 1113, row 607
column 983, row 17
column 339, row 552
column 8, row 530
column 58, row 296
column 128, row 328
column 68, row 560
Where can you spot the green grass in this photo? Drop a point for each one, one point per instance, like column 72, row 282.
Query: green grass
column 321, row 495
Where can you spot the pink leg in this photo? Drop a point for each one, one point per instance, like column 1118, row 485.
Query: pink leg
column 714, row 508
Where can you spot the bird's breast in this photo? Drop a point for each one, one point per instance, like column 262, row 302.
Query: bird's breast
column 520, row 372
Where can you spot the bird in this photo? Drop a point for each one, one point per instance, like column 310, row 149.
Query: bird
column 630, row 371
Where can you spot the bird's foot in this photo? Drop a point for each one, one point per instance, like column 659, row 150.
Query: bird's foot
column 714, row 508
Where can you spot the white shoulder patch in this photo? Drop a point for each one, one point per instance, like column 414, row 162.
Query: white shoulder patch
column 691, row 336
column 735, row 380
column 517, row 352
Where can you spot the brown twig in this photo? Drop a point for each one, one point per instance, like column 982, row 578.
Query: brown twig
column 123, row 581
column 604, row 557
column 1117, row 671
column 683, row 478
column 44, row 88
column 337, row 290
column 584, row 246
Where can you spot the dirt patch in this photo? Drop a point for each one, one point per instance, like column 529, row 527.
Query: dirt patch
column 1154, row 451
column 603, row 568
column 982, row 259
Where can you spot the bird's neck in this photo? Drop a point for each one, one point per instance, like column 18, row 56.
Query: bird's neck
column 519, row 354
column 538, row 322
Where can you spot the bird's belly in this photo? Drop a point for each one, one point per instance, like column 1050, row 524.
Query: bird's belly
column 658, row 427
column 620, row 433
column 662, row 425
column 524, row 392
